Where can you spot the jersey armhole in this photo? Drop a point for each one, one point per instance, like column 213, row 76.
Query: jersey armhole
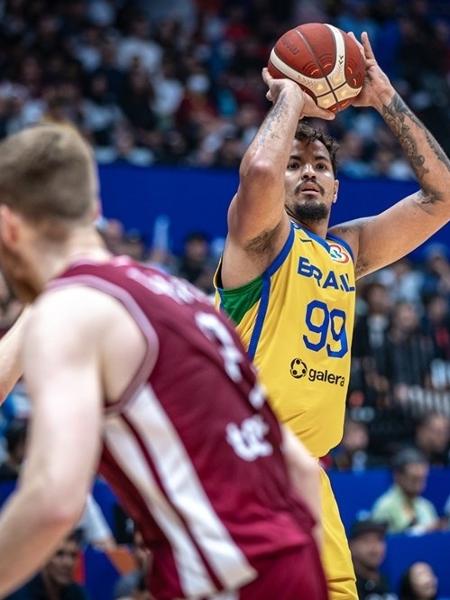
column 236, row 302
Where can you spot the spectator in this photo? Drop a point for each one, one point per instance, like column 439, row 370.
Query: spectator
column 403, row 281
column 56, row 580
column 437, row 270
column 368, row 548
column 129, row 584
column 15, row 443
column 351, row 454
column 370, row 343
column 410, row 351
column 433, row 437
column 139, row 48
column 402, row 507
column 419, row 583
column 195, row 263
column 437, row 325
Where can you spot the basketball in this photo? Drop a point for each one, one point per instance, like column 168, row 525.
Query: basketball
column 324, row 60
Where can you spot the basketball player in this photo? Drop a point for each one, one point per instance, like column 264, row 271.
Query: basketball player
column 135, row 370
column 289, row 283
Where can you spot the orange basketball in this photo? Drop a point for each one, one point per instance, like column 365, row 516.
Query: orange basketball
column 324, row 60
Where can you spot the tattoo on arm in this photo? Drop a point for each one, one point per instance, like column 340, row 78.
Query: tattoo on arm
column 396, row 114
column 269, row 127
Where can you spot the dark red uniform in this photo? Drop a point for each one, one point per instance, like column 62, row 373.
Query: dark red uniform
column 193, row 453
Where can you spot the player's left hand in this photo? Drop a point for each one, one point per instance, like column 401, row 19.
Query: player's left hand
column 377, row 90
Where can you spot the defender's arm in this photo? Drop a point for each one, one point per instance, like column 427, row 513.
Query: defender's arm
column 304, row 472
column 62, row 374
column 10, row 355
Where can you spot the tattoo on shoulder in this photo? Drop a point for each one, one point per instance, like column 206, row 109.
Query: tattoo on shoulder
column 396, row 114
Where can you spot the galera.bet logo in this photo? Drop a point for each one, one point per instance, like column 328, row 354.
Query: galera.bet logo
column 299, row 369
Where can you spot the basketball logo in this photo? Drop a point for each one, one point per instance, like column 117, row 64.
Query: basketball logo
column 338, row 254
column 298, row 368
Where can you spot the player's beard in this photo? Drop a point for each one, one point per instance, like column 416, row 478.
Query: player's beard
column 310, row 211
column 16, row 275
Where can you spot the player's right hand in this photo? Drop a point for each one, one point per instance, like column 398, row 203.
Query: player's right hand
column 308, row 108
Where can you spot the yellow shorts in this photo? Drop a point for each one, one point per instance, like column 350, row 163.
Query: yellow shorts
column 336, row 555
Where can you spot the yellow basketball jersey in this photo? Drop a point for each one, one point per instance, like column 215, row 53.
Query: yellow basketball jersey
column 296, row 322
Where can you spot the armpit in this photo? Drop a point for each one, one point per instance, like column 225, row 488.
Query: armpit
column 263, row 243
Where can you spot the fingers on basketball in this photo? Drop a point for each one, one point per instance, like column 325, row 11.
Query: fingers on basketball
column 267, row 77
column 358, row 43
column 312, row 109
column 367, row 46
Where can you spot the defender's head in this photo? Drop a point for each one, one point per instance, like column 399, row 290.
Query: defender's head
column 48, row 188
column 311, row 184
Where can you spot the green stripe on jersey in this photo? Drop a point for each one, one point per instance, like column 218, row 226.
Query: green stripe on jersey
column 237, row 301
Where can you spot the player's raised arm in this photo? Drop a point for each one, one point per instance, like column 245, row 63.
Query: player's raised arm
column 383, row 239
column 257, row 210
column 10, row 355
column 62, row 376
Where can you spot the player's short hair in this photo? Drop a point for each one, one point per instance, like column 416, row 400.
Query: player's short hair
column 307, row 133
column 47, row 174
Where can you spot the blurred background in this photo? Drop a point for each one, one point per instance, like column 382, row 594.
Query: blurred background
column 169, row 94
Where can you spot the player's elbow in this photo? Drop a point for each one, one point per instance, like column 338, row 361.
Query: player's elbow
column 59, row 517
column 258, row 171
column 55, row 514
column 59, row 507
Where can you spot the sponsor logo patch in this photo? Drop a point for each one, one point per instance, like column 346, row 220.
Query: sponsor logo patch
column 299, row 369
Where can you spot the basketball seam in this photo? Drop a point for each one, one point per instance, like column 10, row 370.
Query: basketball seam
column 308, row 45
column 286, row 70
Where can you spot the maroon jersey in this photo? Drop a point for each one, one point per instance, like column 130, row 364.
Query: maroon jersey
column 192, row 449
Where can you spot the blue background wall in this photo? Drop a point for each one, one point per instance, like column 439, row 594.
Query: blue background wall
column 197, row 199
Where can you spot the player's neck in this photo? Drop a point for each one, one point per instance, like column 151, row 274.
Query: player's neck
column 81, row 245
column 319, row 228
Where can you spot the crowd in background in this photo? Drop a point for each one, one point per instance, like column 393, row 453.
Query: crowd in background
column 179, row 81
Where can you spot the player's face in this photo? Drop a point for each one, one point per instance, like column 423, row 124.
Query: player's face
column 311, row 187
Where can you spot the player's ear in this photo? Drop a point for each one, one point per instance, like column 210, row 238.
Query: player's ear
column 336, row 190
column 9, row 226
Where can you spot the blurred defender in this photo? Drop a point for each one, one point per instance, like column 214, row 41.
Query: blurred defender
column 289, row 283
column 135, row 370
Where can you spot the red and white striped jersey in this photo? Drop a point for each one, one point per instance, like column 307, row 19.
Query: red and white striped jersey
column 192, row 450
